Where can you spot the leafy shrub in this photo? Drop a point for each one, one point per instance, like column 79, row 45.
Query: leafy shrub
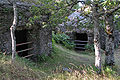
column 89, row 47
column 63, row 39
column 109, row 71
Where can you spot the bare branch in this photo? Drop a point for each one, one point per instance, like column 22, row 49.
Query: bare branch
column 9, row 1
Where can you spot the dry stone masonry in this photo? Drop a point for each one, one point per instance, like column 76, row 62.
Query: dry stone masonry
column 40, row 37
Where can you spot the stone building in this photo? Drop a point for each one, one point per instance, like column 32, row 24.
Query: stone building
column 84, row 35
column 81, row 37
column 32, row 39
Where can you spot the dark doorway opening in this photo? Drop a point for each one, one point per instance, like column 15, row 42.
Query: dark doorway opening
column 21, row 37
column 81, row 40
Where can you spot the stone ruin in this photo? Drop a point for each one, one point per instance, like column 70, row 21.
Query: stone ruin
column 86, row 36
column 81, row 37
column 32, row 39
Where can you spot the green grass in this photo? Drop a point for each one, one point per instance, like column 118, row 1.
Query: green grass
column 64, row 64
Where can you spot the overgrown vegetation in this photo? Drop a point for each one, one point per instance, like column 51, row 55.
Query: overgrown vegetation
column 63, row 39
column 85, row 73
column 64, row 64
column 89, row 47
column 55, row 11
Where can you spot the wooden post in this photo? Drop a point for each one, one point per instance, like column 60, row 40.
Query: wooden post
column 12, row 29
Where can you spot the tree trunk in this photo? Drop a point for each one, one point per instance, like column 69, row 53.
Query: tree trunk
column 12, row 29
column 97, row 39
column 109, row 56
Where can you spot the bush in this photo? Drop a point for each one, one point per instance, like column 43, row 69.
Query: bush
column 63, row 39
column 89, row 47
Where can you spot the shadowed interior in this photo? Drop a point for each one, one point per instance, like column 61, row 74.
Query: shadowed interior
column 80, row 37
column 21, row 37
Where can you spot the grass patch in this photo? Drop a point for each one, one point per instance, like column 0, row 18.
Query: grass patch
column 64, row 64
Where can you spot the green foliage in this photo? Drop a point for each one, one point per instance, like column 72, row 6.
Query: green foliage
column 16, row 70
column 65, row 65
column 42, row 58
column 83, row 72
column 55, row 10
column 110, row 71
column 63, row 39
column 117, row 22
column 90, row 47
column 7, row 10
column 53, row 45
column 109, row 4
